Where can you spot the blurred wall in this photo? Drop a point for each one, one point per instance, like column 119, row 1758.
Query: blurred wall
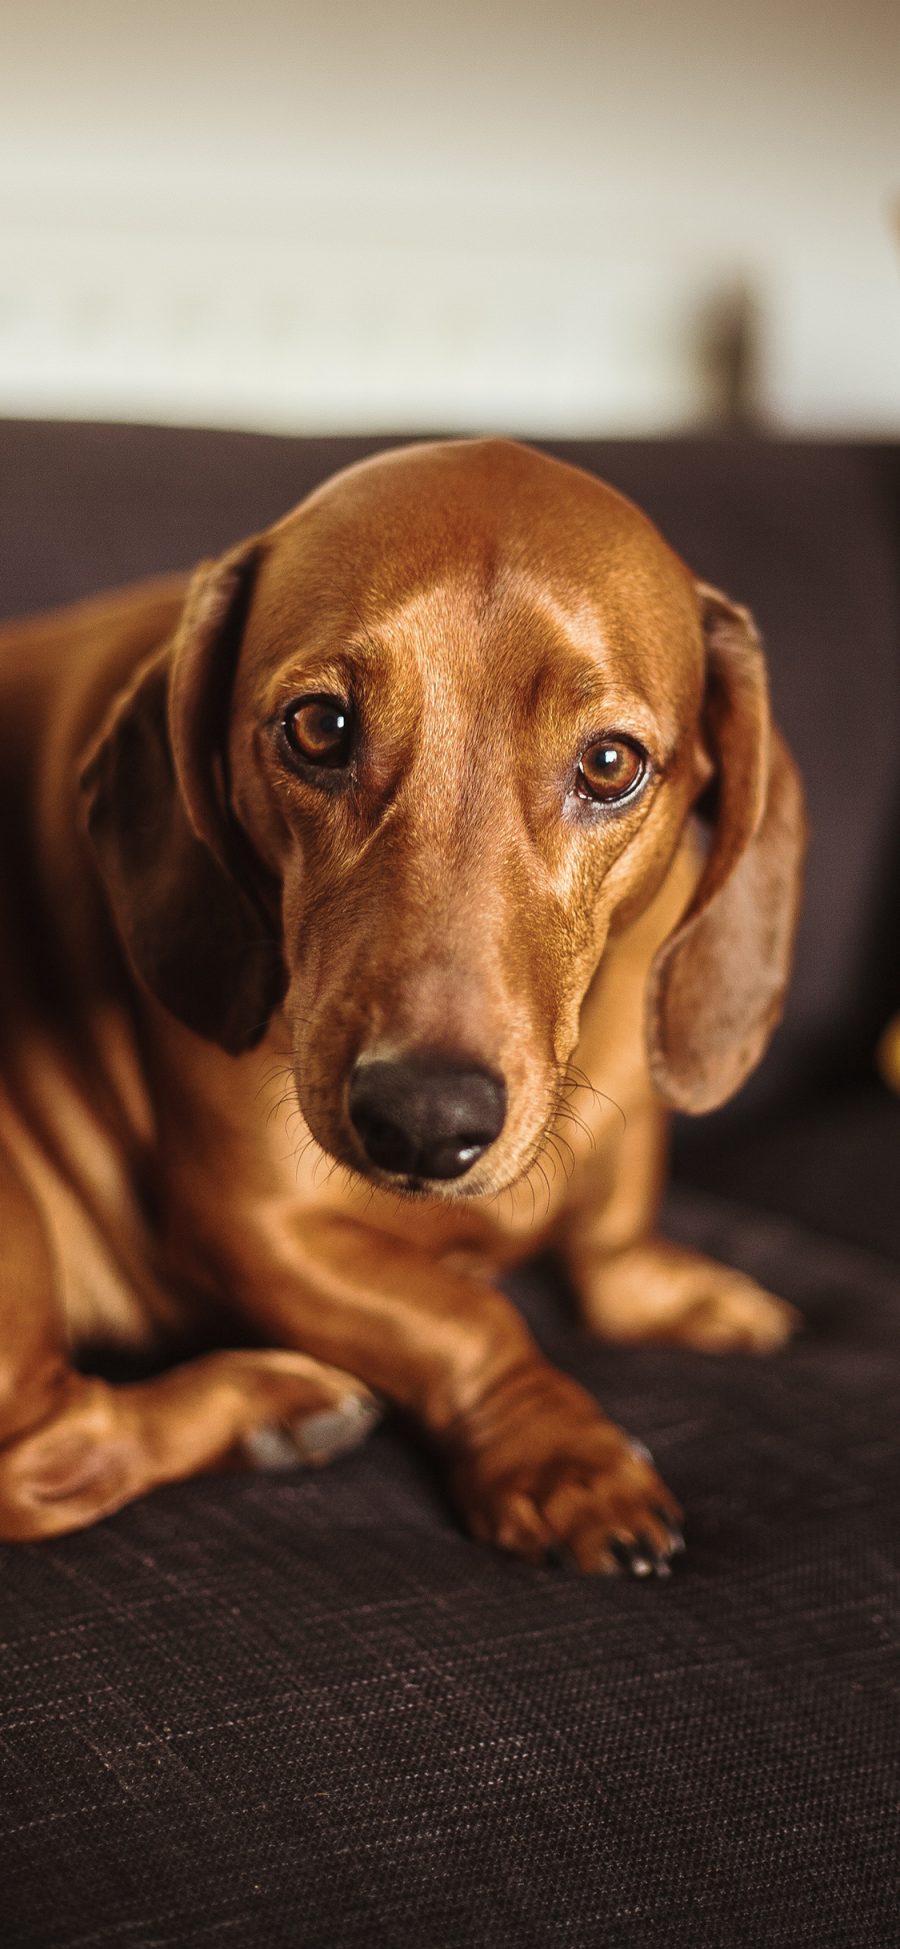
column 577, row 217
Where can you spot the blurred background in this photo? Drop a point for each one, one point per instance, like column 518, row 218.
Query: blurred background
column 586, row 218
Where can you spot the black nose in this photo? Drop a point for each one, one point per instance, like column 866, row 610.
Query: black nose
column 424, row 1117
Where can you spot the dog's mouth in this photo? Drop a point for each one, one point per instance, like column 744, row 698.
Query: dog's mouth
column 487, row 1178
column 432, row 1190
column 417, row 1188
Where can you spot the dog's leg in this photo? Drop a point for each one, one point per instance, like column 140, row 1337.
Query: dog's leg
column 73, row 1449
column 633, row 1285
column 533, row 1464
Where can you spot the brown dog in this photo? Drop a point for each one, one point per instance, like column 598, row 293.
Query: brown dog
column 388, row 816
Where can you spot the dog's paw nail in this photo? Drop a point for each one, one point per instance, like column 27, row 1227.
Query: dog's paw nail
column 627, row 1556
column 676, row 1534
column 639, row 1557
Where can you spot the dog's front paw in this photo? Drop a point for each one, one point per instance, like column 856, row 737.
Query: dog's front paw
column 539, row 1471
column 663, row 1292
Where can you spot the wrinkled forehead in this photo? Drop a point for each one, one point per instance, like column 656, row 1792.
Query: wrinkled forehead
column 477, row 564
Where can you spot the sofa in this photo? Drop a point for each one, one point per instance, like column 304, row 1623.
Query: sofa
column 303, row 1710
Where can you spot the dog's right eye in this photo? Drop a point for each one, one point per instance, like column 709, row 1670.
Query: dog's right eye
column 319, row 730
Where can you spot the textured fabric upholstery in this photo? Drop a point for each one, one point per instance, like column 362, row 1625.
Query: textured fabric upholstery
column 305, row 1710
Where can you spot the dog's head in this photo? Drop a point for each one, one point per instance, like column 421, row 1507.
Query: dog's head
column 411, row 758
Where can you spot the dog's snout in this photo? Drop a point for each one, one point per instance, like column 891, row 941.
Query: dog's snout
column 424, row 1117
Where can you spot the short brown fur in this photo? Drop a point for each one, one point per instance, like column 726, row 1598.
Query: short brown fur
column 197, row 946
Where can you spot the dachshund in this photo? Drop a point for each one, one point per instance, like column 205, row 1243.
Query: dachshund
column 367, row 899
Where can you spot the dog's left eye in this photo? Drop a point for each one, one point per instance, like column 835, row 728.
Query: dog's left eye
column 319, row 730
column 610, row 770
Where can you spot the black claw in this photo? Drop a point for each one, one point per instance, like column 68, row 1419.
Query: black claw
column 646, row 1548
column 624, row 1553
column 676, row 1537
column 650, row 1553
column 637, row 1556
column 642, row 1558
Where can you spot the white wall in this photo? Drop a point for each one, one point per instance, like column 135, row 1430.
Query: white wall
column 529, row 216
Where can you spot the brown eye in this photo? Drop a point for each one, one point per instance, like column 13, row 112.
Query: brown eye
column 610, row 770
column 319, row 730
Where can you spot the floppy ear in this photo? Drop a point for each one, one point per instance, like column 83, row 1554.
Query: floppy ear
column 717, row 984
column 173, row 861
